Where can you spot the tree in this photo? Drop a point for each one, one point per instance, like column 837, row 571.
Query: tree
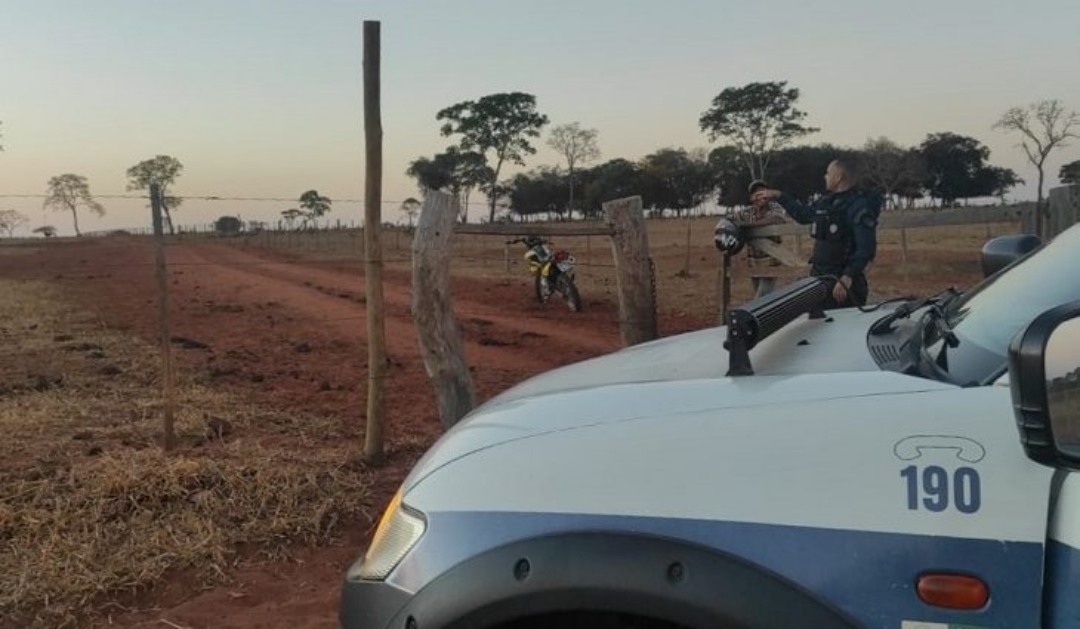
column 800, row 170
column 732, row 176
column 313, row 205
column 410, row 208
column 998, row 181
column 758, row 118
column 456, row 171
column 10, row 220
column 614, row 179
column 676, row 179
column 578, row 146
column 162, row 170
column 468, row 171
column 1070, row 173
column 68, row 192
column 890, row 168
column 47, row 231
column 955, row 166
column 542, row 191
column 430, row 174
column 228, row 225
column 502, row 123
column 290, row 215
column 1042, row 126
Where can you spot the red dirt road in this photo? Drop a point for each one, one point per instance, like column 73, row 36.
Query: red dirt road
column 291, row 336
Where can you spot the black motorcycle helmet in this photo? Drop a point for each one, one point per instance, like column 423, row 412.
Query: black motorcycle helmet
column 726, row 233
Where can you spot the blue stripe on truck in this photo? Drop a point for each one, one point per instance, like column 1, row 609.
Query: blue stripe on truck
column 871, row 576
column 1063, row 588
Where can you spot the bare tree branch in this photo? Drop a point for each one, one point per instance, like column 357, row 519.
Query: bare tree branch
column 1047, row 126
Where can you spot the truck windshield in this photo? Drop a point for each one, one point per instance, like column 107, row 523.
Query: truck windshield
column 986, row 318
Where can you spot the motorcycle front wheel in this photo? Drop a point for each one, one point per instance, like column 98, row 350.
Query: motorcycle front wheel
column 570, row 292
column 538, row 283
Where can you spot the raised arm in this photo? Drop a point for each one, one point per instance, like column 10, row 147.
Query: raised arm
column 801, row 212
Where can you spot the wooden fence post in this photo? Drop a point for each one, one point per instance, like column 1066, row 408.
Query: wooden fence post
column 168, row 441
column 436, row 325
column 1063, row 209
column 723, row 288
column 903, row 245
column 373, row 264
column 689, row 223
column 633, row 270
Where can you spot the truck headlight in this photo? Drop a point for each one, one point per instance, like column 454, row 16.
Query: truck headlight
column 398, row 531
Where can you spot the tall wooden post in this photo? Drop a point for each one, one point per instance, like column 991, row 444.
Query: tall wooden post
column 689, row 223
column 723, row 288
column 436, row 326
column 633, row 270
column 376, row 329
column 168, row 441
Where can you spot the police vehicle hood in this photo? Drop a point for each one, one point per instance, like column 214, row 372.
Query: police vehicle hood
column 810, row 361
column 836, row 343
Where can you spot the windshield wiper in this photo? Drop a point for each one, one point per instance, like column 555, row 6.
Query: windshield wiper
column 938, row 303
column 938, row 312
column 937, row 315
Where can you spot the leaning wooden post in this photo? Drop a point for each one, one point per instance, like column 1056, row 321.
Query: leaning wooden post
column 376, row 329
column 168, row 440
column 633, row 270
column 436, row 326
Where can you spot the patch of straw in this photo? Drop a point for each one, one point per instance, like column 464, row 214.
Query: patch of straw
column 90, row 508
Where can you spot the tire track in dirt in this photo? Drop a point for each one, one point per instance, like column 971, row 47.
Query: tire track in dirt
column 260, row 283
column 554, row 322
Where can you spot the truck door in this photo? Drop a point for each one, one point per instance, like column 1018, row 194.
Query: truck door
column 1062, row 583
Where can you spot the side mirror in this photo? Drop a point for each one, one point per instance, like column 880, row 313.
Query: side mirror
column 1044, row 374
column 1004, row 250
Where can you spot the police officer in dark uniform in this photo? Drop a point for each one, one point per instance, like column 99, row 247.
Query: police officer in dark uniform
column 844, row 227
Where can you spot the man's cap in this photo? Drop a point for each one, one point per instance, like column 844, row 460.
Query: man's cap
column 756, row 185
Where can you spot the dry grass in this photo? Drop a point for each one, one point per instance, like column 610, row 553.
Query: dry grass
column 89, row 506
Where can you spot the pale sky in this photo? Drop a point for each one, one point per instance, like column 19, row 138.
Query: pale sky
column 263, row 98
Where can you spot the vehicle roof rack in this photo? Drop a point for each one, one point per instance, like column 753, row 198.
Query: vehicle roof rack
column 761, row 317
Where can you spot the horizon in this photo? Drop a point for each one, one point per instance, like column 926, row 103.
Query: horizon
column 264, row 99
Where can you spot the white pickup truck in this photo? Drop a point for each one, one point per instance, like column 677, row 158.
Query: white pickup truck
column 911, row 465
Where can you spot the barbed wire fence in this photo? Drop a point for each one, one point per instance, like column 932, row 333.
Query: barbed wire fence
column 335, row 243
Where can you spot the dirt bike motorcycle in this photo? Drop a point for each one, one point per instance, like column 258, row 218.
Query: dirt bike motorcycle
column 553, row 270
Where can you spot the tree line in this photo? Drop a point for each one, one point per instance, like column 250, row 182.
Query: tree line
column 759, row 125
column 70, row 193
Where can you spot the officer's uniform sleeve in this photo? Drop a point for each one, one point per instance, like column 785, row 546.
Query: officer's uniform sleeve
column 863, row 215
column 796, row 209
